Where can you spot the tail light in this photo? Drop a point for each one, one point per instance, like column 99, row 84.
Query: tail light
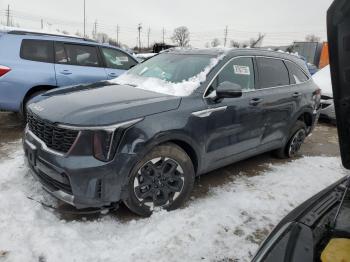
column 4, row 70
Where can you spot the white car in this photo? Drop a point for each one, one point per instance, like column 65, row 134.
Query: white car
column 323, row 79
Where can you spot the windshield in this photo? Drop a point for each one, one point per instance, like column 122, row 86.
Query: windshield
column 173, row 68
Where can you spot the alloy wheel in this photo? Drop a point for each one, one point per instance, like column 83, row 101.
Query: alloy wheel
column 159, row 182
column 296, row 142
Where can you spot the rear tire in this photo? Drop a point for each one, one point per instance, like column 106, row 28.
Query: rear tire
column 295, row 140
column 164, row 179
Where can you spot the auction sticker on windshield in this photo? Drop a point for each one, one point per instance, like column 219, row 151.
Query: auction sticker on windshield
column 241, row 70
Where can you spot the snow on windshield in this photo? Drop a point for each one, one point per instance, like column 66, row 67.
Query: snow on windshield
column 323, row 80
column 183, row 88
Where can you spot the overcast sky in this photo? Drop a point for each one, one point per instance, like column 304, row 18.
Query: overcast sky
column 283, row 21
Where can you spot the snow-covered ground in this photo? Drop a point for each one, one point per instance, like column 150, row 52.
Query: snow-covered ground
column 228, row 223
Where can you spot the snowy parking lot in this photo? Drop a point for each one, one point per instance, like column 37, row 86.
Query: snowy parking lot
column 231, row 211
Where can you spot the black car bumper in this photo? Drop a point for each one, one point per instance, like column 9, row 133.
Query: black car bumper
column 81, row 181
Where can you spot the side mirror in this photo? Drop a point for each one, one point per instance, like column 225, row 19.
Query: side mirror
column 228, row 90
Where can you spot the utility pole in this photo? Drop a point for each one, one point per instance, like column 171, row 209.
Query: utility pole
column 139, row 28
column 8, row 15
column 225, row 35
column 163, row 35
column 118, row 29
column 84, row 20
column 94, row 31
column 42, row 24
column 148, row 35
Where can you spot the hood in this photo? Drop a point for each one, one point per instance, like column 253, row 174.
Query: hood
column 96, row 105
column 323, row 80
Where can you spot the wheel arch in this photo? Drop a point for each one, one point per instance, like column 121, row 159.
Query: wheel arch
column 33, row 90
column 182, row 140
column 306, row 117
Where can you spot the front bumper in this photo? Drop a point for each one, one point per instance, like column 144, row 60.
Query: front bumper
column 79, row 180
column 328, row 110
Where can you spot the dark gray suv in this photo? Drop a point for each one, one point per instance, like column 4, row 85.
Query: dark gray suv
column 143, row 138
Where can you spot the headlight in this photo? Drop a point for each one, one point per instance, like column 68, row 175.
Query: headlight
column 105, row 143
column 105, row 138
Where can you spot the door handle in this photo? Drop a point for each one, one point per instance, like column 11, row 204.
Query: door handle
column 256, row 101
column 66, row 72
column 296, row 94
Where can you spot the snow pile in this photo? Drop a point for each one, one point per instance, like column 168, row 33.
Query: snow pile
column 323, row 79
column 145, row 55
column 42, row 31
column 184, row 88
column 225, row 225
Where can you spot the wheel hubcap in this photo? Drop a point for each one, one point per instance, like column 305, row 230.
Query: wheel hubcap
column 297, row 141
column 159, row 182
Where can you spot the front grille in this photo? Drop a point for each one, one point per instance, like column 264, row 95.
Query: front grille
column 55, row 138
column 46, row 180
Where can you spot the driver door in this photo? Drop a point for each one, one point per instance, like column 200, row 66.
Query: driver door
column 237, row 127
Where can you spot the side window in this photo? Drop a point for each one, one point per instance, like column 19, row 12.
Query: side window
column 60, row 54
column 272, row 72
column 297, row 76
column 72, row 54
column 37, row 50
column 239, row 71
column 117, row 59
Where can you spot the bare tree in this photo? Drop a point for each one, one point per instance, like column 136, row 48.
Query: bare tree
column 215, row 42
column 244, row 44
column 102, row 37
column 181, row 36
column 312, row 38
column 256, row 42
column 234, row 44
column 207, row 45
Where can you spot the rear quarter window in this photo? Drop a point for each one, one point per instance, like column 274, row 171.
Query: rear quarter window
column 272, row 72
column 37, row 50
column 297, row 75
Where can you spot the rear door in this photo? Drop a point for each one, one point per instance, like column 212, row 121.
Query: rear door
column 338, row 23
column 116, row 61
column 78, row 64
column 280, row 103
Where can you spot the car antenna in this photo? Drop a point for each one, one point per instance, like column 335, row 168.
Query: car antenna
column 347, row 187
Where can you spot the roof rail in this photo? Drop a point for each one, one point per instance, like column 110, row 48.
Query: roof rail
column 20, row 32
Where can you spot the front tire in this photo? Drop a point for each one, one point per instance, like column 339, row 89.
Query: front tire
column 164, row 178
column 295, row 141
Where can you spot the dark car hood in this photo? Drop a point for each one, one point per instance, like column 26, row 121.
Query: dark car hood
column 98, row 105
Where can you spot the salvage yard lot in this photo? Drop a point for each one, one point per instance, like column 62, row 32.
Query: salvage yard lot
column 230, row 212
